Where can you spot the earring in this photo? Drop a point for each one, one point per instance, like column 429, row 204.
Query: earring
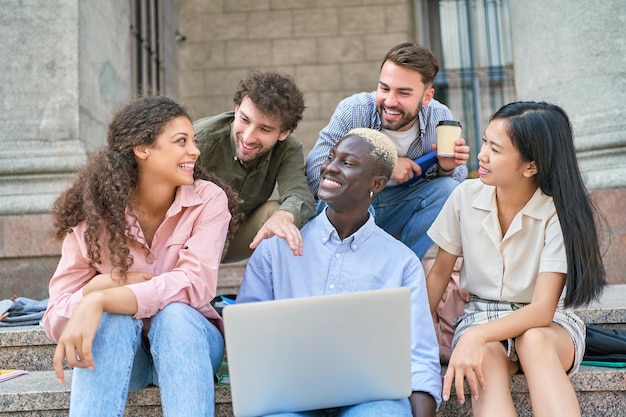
column 371, row 193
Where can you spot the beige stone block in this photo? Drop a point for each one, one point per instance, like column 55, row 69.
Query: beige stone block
column 292, row 4
column 283, row 69
column 223, row 81
column 214, row 26
column 191, row 83
column 202, row 55
column 249, row 53
column 318, row 77
column 341, row 3
column 361, row 19
column 312, row 104
column 384, row 2
column 316, row 22
column 360, row 76
column 205, row 106
column 379, row 44
column 193, row 7
column 270, row 24
column 328, row 101
column 190, row 26
column 342, row 49
column 246, row 5
column 294, row 51
column 398, row 17
column 308, row 132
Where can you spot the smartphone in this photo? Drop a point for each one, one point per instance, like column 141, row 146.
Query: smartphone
column 425, row 161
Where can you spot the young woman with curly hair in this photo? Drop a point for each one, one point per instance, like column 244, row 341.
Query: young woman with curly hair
column 143, row 229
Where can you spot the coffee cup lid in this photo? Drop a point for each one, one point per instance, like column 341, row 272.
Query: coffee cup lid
column 449, row 123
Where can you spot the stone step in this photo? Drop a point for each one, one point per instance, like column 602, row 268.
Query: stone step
column 601, row 391
column 25, row 347
column 230, row 276
column 29, row 348
column 39, row 394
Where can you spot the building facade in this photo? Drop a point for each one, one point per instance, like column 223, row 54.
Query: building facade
column 66, row 64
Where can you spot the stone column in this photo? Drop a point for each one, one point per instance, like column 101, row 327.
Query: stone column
column 573, row 53
column 64, row 65
column 39, row 143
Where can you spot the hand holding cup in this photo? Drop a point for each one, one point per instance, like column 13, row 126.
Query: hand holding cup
column 448, row 131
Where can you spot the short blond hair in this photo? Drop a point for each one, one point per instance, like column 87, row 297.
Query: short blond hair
column 383, row 150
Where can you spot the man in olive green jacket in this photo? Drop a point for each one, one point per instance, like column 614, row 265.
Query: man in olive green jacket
column 252, row 149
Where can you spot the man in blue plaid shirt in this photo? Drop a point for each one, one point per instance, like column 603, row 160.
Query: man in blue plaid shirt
column 403, row 108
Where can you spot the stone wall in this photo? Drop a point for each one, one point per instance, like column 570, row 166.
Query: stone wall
column 65, row 66
column 332, row 48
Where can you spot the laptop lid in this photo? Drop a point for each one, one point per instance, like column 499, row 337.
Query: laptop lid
column 318, row 352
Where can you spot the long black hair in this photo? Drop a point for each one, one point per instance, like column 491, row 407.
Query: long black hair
column 542, row 133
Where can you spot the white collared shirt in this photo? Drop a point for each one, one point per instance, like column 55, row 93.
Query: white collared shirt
column 497, row 267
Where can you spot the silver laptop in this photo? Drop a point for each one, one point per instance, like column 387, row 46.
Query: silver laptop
column 318, row 352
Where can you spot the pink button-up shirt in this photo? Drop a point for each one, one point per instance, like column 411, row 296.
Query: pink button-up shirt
column 184, row 258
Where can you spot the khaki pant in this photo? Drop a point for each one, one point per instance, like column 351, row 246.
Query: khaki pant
column 238, row 248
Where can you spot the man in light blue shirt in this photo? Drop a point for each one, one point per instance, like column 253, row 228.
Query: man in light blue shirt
column 345, row 251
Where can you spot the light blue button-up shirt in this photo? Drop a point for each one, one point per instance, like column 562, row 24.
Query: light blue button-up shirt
column 367, row 260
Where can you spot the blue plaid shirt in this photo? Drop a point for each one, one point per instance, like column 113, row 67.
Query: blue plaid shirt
column 360, row 110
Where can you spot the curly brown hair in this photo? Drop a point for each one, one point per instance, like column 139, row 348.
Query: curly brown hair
column 103, row 188
column 273, row 94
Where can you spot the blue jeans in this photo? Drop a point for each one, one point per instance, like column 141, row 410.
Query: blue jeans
column 181, row 355
column 407, row 213
column 395, row 408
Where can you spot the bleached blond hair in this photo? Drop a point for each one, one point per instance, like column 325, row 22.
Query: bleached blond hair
column 383, row 150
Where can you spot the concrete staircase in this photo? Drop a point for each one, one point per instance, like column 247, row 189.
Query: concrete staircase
column 601, row 391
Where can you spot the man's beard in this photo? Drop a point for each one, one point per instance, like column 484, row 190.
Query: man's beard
column 405, row 119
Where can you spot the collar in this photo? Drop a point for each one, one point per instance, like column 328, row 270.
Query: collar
column 539, row 206
column 328, row 232
column 233, row 142
column 186, row 196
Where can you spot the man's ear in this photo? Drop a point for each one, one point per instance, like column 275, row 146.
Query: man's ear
column 283, row 135
column 378, row 183
column 428, row 96
column 530, row 170
column 141, row 151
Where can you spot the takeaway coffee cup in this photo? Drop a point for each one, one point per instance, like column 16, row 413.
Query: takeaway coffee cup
column 448, row 131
